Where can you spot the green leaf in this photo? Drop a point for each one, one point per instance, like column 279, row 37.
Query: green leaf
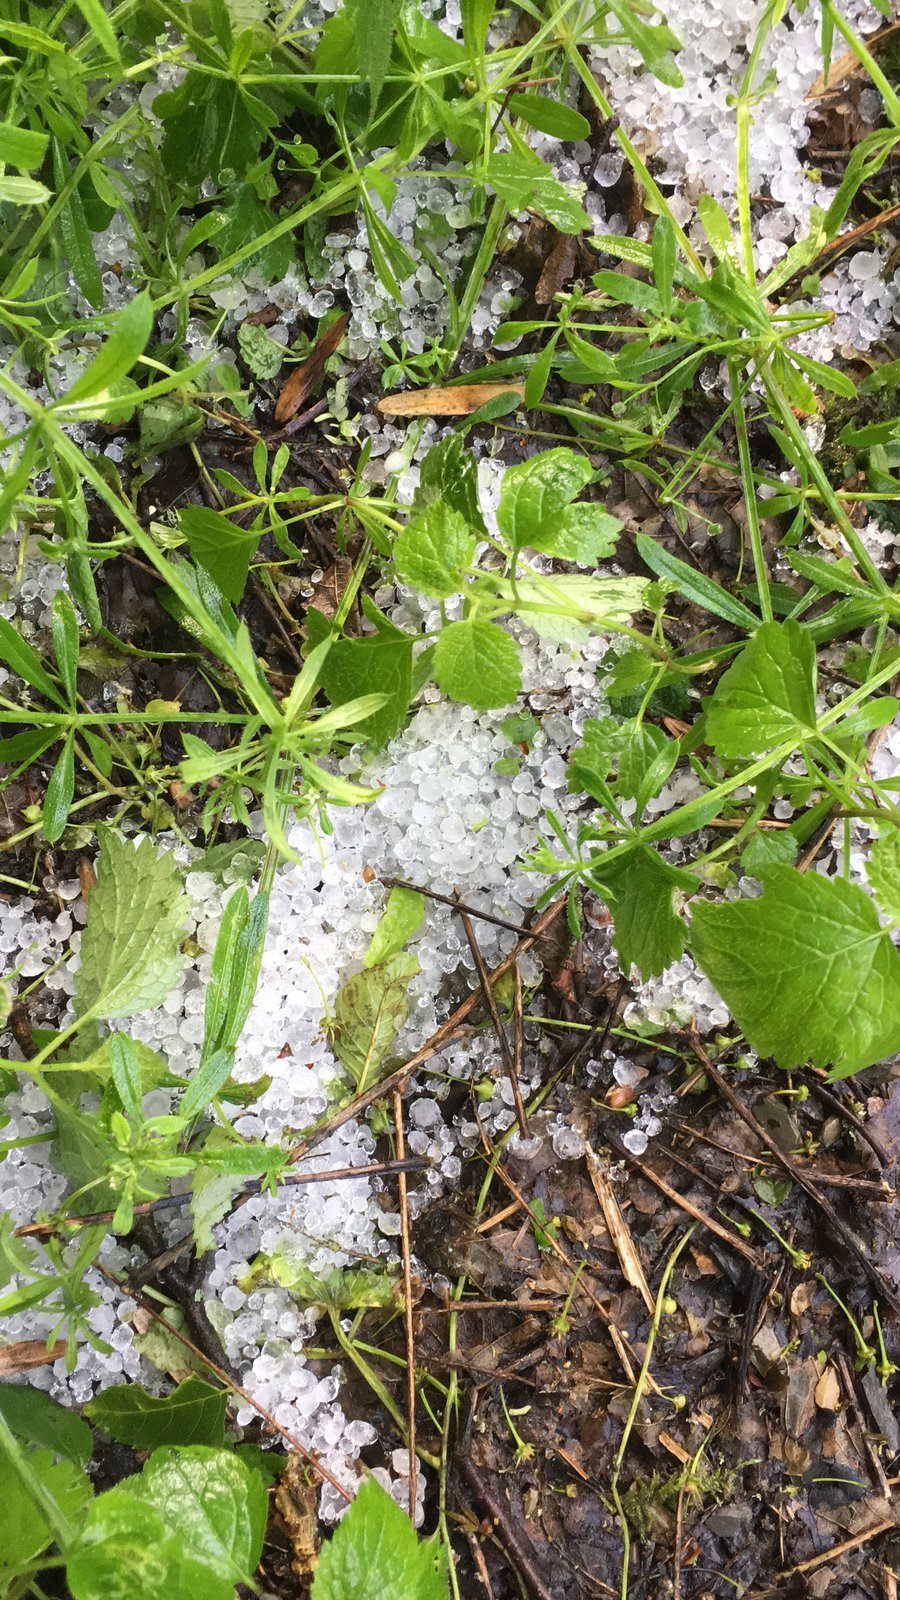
column 767, row 696
column 375, row 1552
column 131, row 947
column 118, row 355
column 262, row 354
column 400, row 921
column 222, row 549
column 22, row 191
column 381, row 662
column 525, row 183
column 334, row 1289
column 535, row 509
column 434, row 551
column 64, row 628
column 189, row 1527
column 769, row 847
column 38, row 1420
column 369, row 1010
column 807, row 971
column 478, row 663
column 450, row 473
column 75, row 234
column 126, row 1076
column 476, row 17
column 883, row 873
column 694, row 585
column 193, row 1414
column 211, row 1200
column 26, row 663
column 20, row 147
column 100, row 26
column 550, row 116
column 235, row 968
column 60, row 790
column 639, row 888
column 24, row 1531
column 374, row 22
column 663, row 247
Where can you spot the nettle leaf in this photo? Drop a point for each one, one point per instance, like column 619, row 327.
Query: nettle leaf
column 375, row 1552
column 212, row 1196
column 374, row 23
column 767, row 696
column 535, row 509
column 450, row 473
column 35, row 1418
column 401, row 920
column 478, row 663
column 807, row 971
column 769, row 847
column 369, row 1010
column 639, row 888
column 193, row 1414
column 224, row 550
column 189, row 1527
column 337, row 1289
column 379, row 663
column 526, row 183
column 262, row 354
column 131, row 947
column 435, row 550
column 883, row 873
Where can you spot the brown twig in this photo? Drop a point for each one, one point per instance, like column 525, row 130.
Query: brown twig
column 836, row 1222
column 843, row 1111
column 400, row 1139
column 509, row 1063
column 732, row 1239
column 522, row 1560
column 457, row 905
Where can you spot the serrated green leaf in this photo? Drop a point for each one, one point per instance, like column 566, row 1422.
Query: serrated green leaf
column 883, row 873
column 189, row 1527
column 375, row 1552
column 381, row 662
column 336, row 1289
column 212, row 1195
column 807, row 971
column 221, row 548
column 526, row 183
column 262, row 354
column 434, row 551
column 38, row 1420
column 193, row 1414
column 400, row 921
column 639, row 888
column 767, row 695
column 450, row 473
column 769, row 847
column 478, row 663
column 369, row 1010
column 131, row 947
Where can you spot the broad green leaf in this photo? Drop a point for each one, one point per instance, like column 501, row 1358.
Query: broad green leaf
column 767, row 695
column 212, row 1195
column 60, row 790
column 126, row 1076
column 550, row 116
column 26, row 663
column 525, row 183
column 450, row 473
column 24, row 1531
column 717, row 227
column 75, row 234
column 375, row 1552
column 434, row 551
column 769, row 847
column 64, row 627
column 478, row 663
column 381, row 662
column 193, row 1414
column 695, row 586
column 883, row 873
column 20, row 147
column 535, row 509
column 223, row 549
column 189, row 1527
column 336, row 1289
column 38, row 1420
column 807, row 971
column 585, row 601
column 369, row 1010
column 262, row 354
column 117, row 356
column 639, row 888
column 400, row 921
column 17, row 191
column 131, row 947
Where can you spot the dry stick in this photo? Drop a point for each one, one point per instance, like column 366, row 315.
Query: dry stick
column 837, row 1105
column 799, row 1176
column 407, row 1303
column 844, row 1549
column 509, row 1063
column 721, row 1232
column 502, row 1522
column 165, row 1202
column 228, row 1382
column 457, row 905
column 444, row 1036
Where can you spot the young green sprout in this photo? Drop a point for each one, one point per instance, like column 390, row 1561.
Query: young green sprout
column 524, row 1451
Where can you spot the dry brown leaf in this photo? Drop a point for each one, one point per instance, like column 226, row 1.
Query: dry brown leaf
column 306, row 377
column 28, row 1353
column 828, row 1391
column 629, row 1260
column 456, row 400
column 847, row 66
column 296, row 1499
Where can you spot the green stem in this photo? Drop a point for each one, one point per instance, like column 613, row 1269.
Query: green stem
column 753, row 528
